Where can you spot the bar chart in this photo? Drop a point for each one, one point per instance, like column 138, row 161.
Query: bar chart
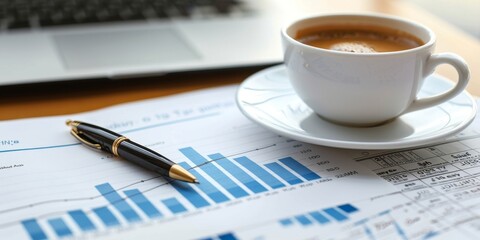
column 316, row 222
column 131, row 206
column 325, row 216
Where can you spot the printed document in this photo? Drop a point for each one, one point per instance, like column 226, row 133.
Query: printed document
column 254, row 184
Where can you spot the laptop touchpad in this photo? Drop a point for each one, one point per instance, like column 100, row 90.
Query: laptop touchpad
column 123, row 48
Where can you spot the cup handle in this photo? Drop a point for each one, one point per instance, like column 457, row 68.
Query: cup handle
column 463, row 76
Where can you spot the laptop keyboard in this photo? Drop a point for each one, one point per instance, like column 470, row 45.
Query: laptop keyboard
column 21, row 14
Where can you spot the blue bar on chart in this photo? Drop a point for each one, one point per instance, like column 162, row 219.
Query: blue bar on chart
column 283, row 173
column 370, row 233
column 206, row 187
column 118, row 202
column 261, row 173
column 430, row 234
column 82, row 220
column 143, row 203
column 190, row 194
column 34, row 229
column 319, row 217
column 335, row 214
column 227, row 236
column 286, row 222
column 302, row 219
column 215, row 173
column 348, row 208
column 299, row 168
column 383, row 213
column 106, row 216
column 174, row 205
column 60, row 227
column 223, row 236
column 400, row 231
column 238, row 173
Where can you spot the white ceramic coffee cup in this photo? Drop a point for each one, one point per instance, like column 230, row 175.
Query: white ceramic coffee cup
column 365, row 89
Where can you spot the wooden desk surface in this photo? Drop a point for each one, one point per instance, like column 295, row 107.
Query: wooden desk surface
column 65, row 98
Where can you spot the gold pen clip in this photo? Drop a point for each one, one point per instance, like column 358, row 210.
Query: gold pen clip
column 90, row 144
column 77, row 134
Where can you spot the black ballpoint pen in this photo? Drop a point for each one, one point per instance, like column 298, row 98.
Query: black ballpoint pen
column 120, row 146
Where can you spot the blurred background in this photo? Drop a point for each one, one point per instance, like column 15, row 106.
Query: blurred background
column 456, row 24
column 464, row 14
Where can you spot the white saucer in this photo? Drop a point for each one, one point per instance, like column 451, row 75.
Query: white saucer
column 268, row 99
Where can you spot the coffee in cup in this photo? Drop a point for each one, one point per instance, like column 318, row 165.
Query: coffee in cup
column 358, row 39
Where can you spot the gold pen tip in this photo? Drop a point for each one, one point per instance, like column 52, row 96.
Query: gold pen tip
column 68, row 122
column 179, row 173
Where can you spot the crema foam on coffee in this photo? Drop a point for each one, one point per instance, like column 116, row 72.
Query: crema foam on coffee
column 358, row 39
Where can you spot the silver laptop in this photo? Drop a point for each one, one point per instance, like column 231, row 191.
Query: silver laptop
column 55, row 40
